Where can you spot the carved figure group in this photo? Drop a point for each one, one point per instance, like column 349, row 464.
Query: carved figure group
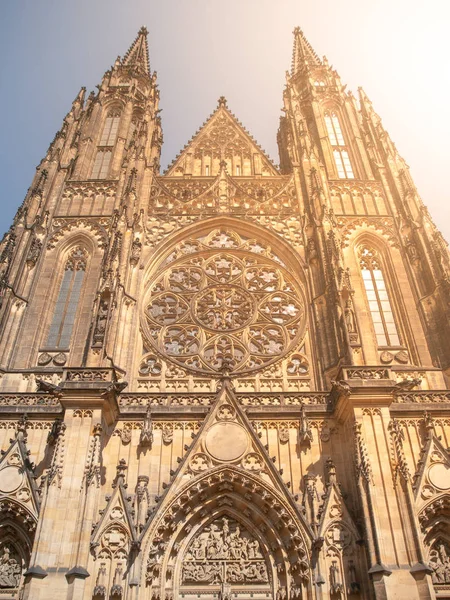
column 10, row 569
column 440, row 563
column 211, row 550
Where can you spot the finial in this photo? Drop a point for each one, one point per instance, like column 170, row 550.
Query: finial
column 120, row 477
column 222, row 102
column 143, row 30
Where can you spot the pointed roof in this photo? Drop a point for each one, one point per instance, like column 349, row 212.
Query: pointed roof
column 222, row 118
column 303, row 53
column 137, row 54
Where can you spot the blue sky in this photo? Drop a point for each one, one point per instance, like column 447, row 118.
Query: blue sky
column 397, row 50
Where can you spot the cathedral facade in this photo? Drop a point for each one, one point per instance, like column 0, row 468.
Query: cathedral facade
column 229, row 380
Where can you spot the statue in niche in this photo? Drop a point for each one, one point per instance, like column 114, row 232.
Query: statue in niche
column 100, row 326
column 10, row 569
column 353, row 587
column 136, row 248
column 335, row 580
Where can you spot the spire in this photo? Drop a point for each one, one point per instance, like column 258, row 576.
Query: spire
column 303, row 53
column 137, row 54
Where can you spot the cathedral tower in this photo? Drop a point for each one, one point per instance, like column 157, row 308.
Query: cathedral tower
column 229, row 380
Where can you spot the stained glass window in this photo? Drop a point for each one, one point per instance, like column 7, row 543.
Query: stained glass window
column 378, row 298
column 67, row 302
column 341, row 156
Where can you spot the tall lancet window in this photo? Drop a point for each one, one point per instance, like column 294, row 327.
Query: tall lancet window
column 340, row 152
column 378, row 298
column 67, row 302
column 105, row 148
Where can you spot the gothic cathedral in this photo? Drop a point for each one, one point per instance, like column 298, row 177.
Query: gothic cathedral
column 229, row 380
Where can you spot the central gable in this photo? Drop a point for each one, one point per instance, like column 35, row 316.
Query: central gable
column 222, row 139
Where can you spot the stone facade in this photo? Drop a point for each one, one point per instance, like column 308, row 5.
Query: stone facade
column 229, row 380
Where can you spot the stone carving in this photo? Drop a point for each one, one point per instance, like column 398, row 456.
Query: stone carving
column 100, row 584
column 253, row 462
column 136, row 249
column 101, row 321
column 440, row 563
column 117, row 588
column 216, row 309
column 34, row 252
column 336, row 586
column 146, row 435
column 224, row 553
column 10, row 568
column 167, row 434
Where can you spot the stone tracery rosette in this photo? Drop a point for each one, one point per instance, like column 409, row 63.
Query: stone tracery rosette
column 223, row 306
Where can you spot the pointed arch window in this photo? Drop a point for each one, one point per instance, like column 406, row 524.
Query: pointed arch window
column 378, row 298
column 110, row 129
column 105, row 148
column 67, row 303
column 340, row 152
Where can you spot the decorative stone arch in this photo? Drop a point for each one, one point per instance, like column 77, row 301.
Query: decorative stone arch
column 395, row 277
column 17, row 528
column 351, row 230
column 52, row 275
column 434, row 520
column 244, row 228
column 231, row 493
column 90, row 229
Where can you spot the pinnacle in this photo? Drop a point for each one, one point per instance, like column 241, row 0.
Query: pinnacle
column 137, row 54
column 303, row 53
column 222, row 102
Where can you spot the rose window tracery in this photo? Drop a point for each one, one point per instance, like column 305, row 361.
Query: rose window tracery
column 224, row 306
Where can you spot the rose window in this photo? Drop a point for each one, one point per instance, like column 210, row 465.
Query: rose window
column 212, row 310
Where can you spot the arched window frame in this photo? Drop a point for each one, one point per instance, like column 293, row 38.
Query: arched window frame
column 106, row 144
column 65, row 308
column 341, row 154
column 379, row 297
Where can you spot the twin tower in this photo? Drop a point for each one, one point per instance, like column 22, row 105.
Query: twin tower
column 229, row 380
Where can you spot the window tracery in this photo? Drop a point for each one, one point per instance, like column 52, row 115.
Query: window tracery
column 223, row 303
column 378, row 298
column 67, row 302
column 340, row 152
column 107, row 141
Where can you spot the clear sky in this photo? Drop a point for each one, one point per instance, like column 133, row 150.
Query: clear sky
column 397, row 50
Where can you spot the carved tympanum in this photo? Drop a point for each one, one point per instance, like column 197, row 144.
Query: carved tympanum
column 10, row 568
column 224, row 552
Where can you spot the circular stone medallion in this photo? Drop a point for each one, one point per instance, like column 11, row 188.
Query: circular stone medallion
column 10, row 479
column 439, row 476
column 226, row 441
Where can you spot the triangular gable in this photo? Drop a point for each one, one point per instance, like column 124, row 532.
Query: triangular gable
column 432, row 477
column 227, row 437
column 18, row 483
column 222, row 138
column 333, row 514
column 116, row 516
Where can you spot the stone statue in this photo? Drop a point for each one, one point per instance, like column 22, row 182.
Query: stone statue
column 10, row 569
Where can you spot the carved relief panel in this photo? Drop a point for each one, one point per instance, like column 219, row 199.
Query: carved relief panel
column 224, row 552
